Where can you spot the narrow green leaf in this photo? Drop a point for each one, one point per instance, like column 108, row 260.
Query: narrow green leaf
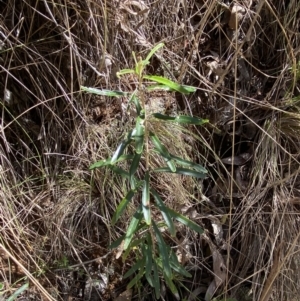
column 119, row 171
column 138, row 276
column 103, row 92
column 191, row 173
column 132, row 246
column 100, row 164
column 163, row 252
column 159, row 88
column 175, row 265
column 171, row 165
column 139, row 135
column 125, row 71
column 164, row 212
column 139, row 67
column 117, row 242
column 174, row 86
column 135, row 164
column 187, row 163
column 18, row 292
column 158, row 261
column 181, row 119
column 147, row 252
column 172, row 287
column 120, row 149
column 153, row 50
column 191, row 120
column 122, row 206
column 124, row 158
column 133, row 168
column 163, row 151
column 133, row 226
column 107, row 162
column 161, row 148
column 137, row 104
column 146, row 199
column 164, row 117
column 180, row 270
column 150, row 280
column 134, row 183
column 185, row 221
column 182, row 171
column 142, row 114
column 163, row 169
column 156, row 281
column 169, row 161
column 138, row 265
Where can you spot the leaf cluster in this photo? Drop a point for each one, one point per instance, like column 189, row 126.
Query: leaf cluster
column 155, row 258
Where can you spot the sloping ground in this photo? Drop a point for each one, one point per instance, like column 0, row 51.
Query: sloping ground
column 55, row 213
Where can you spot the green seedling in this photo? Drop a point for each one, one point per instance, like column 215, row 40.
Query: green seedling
column 155, row 260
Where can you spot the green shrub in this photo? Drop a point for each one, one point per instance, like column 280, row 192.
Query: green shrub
column 154, row 257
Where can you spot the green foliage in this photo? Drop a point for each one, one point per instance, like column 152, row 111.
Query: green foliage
column 63, row 262
column 18, row 292
column 154, row 258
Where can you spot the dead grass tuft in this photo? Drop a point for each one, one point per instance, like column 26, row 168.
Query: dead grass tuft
column 243, row 57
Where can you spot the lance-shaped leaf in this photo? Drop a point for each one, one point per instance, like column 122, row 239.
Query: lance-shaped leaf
column 147, row 252
column 181, row 119
column 138, row 135
column 103, row 92
column 125, row 71
column 163, row 252
column 133, row 226
column 187, row 163
column 117, row 242
column 175, row 265
column 153, row 50
column 139, row 274
column 191, row 120
column 119, row 171
column 163, row 151
column 174, row 86
column 120, row 149
column 159, row 88
column 139, row 67
column 146, row 199
column 172, row 287
column 137, row 104
column 133, row 168
column 100, row 164
column 185, row 221
column 18, row 292
column 132, row 246
column 140, row 264
column 122, row 206
column 164, row 212
column 125, row 157
column 106, row 162
column 156, row 281
column 164, row 117
column 182, row 171
column 135, row 242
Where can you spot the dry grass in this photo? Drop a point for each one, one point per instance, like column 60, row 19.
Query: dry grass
column 247, row 72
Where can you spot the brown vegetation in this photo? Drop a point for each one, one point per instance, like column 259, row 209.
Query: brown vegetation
column 55, row 214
